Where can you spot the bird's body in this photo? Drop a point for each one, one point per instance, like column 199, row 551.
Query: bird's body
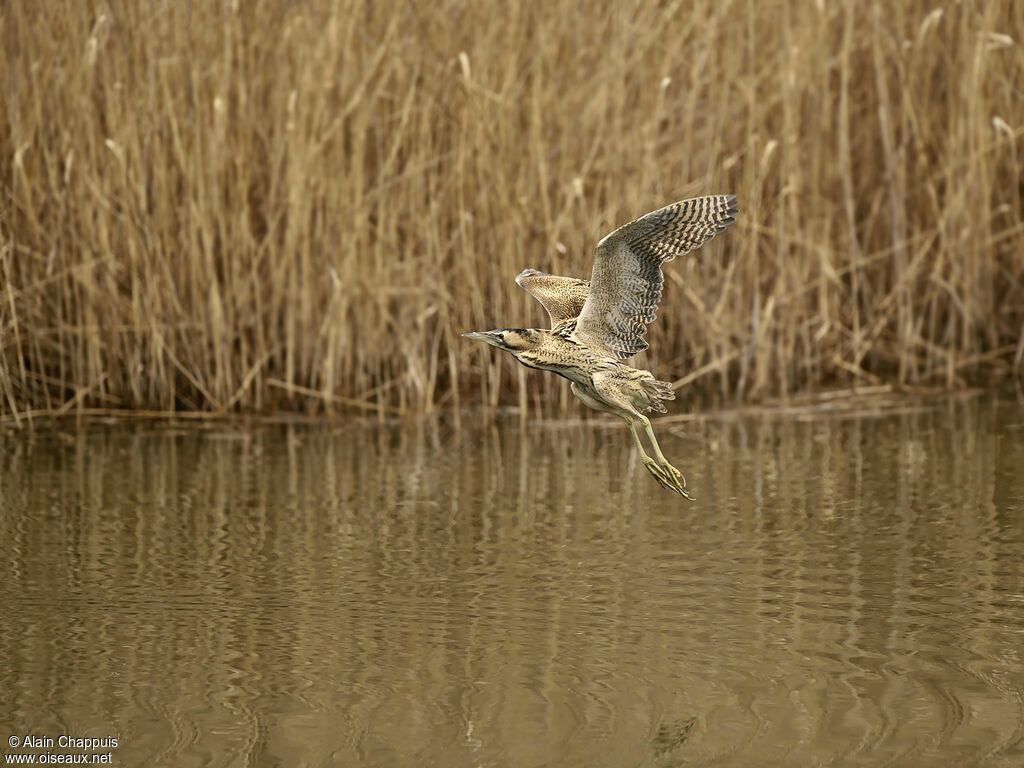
column 599, row 322
column 595, row 376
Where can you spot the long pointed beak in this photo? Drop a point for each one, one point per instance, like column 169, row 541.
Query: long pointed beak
column 485, row 336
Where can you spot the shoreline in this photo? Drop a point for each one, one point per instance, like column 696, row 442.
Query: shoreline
column 849, row 402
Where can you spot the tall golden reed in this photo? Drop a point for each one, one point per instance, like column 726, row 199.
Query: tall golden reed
column 224, row 206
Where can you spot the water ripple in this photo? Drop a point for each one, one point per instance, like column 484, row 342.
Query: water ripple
column 845, row 592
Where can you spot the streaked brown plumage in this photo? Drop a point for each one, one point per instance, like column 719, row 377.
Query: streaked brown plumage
column 562, row 297
column 597, row 323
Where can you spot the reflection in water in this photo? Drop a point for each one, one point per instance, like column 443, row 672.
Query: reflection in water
column 843, row 590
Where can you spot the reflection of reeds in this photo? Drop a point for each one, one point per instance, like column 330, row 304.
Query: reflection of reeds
column 840, row 585
column 222, row 206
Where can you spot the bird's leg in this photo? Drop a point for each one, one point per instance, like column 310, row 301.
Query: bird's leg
column 679, row 482
column 666, row 478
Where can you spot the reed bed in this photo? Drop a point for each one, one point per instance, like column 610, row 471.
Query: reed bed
column 231, row 206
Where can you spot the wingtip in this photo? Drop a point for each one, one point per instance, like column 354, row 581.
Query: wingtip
column 731, row 209
column 529, row 272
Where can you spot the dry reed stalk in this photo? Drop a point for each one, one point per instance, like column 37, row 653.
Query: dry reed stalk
column 258, row 206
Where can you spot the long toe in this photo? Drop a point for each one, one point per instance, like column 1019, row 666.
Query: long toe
column 673, row 475
column 679, row 480
column 667, row 479
column 669, row 468
column 671, row 483
column 656, row 470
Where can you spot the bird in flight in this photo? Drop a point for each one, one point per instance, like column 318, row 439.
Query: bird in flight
column 598, row 323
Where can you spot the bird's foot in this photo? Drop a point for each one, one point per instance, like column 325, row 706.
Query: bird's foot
column 675, row 472
column 668, row 477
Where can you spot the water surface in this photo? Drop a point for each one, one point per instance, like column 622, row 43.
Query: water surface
column 845, row 591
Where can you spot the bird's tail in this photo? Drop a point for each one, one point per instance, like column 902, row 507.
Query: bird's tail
column 658, row 391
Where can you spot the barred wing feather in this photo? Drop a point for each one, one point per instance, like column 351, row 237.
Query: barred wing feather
column 627, row 281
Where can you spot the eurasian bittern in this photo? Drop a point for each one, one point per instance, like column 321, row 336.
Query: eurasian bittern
column 597, row 323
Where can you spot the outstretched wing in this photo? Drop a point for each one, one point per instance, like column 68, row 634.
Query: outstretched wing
column 562, row 297
column 626, row 284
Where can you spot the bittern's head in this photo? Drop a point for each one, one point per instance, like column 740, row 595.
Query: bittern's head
column 514, row 340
